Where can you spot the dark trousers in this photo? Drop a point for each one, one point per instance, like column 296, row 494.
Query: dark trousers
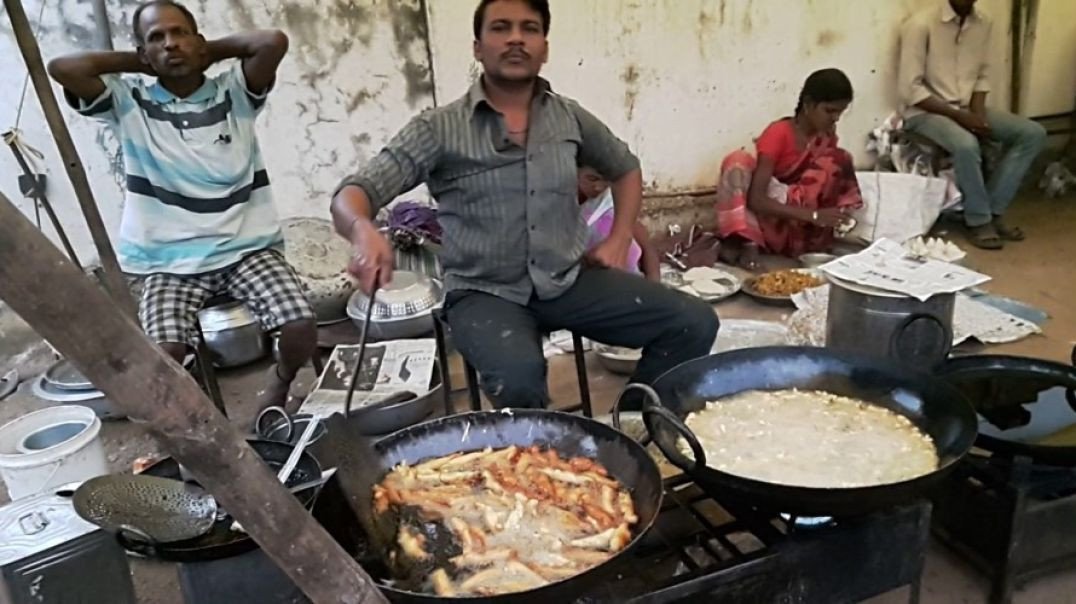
column 502, row 340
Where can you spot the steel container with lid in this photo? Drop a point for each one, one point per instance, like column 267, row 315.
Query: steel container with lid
column 402, row 309
column 48, row 555
column 880, row 323
column 232, row 334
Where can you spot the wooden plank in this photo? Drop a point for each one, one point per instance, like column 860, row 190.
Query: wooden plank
column 63, row 306
column 114, row 280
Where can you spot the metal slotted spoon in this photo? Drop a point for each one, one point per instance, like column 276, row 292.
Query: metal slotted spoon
column 154, row 509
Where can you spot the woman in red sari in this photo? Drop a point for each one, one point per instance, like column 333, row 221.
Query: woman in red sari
column 789, row 200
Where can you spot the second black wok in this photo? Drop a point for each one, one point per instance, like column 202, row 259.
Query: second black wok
column 933, row 406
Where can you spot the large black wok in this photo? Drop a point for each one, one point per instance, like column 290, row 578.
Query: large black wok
column 933, row 406
column 1026, row 406
column 221, row 541
column 569, row 435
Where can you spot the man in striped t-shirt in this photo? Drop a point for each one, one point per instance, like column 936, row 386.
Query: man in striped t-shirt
column 198, row 218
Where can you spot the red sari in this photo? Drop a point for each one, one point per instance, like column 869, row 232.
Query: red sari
column 819, row 176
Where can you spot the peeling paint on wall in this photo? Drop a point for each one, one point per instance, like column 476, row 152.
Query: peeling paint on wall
column 410, row 32
column 828, row 37
column 630, row 77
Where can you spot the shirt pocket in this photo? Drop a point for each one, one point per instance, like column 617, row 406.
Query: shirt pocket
column 558, row 165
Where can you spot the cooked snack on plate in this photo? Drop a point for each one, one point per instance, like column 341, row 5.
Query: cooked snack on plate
column 934, row 248
column 786, row 282
column 810, row 439
column 502, row 521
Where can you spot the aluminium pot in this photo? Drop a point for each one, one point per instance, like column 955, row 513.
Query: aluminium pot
column 878, row 323
column 403, row 308
column 232, row 334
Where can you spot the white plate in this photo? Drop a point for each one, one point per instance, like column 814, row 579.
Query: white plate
column 677, row 280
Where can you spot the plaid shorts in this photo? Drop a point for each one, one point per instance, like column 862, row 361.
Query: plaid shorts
column 264, row 281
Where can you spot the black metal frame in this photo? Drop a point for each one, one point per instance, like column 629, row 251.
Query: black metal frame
column 726, row 554
column 1009, row 519
column 474, row 395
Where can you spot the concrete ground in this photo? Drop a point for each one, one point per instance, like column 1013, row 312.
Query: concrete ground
column 1038, row 272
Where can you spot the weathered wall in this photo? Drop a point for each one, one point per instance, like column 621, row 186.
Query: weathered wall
column 357, row 70
column 1051, row 81
column 686, row 81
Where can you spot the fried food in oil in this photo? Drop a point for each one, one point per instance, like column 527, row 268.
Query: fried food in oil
column 521, row 518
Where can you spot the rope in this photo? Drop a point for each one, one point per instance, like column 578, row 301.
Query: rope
column 26, row 79
column 14, row 137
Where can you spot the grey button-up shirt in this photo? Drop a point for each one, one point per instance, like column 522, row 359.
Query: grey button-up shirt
column 510, row 215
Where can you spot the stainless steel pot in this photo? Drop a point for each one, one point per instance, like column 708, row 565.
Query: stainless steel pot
column 885, row 324
column 232, row 334
column 403, row 309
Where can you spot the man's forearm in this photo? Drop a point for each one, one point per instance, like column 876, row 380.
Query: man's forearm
column 978, row 103
column 627, row 202
column 93, row 64
column 80, row 73
column 349, row 206
column 939, row 107
column 245, row 45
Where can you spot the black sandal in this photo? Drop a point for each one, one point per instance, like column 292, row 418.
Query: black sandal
column 1006, row 232
column 985, row 237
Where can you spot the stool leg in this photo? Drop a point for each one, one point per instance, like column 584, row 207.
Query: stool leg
column 581, row 373
column 208, row 373
column 472, row 386
column 442, row 360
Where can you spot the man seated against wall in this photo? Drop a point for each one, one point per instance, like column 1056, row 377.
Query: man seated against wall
column 501, row 162
column 198, row 218
column 944, row 79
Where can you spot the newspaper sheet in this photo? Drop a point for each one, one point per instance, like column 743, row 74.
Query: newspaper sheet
column 389, row 367
column 887, row 265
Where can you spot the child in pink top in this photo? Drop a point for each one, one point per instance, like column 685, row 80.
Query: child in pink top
column 596, row 199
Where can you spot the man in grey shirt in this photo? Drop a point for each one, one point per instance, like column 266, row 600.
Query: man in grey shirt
column 501, row 162
column 943, row 80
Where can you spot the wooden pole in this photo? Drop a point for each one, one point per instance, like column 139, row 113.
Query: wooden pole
column 114, row 280
column 1016, row 30
column 84, row 325
column 103, row 33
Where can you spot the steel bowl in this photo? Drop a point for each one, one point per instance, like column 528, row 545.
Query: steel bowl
column 402, row 309
column 816, row 260
column 376, row 420
column 232, row 334
column 618, row 360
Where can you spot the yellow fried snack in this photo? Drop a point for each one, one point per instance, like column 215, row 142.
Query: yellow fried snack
column 521, row 517
column 786, row 283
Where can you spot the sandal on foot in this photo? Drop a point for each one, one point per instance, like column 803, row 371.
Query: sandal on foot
column 1006, row 232
column 985, row 237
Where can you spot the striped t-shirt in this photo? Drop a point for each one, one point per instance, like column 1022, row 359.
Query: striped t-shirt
column 198, row 197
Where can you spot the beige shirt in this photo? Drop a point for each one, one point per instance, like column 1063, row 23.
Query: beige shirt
column 940, row 58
